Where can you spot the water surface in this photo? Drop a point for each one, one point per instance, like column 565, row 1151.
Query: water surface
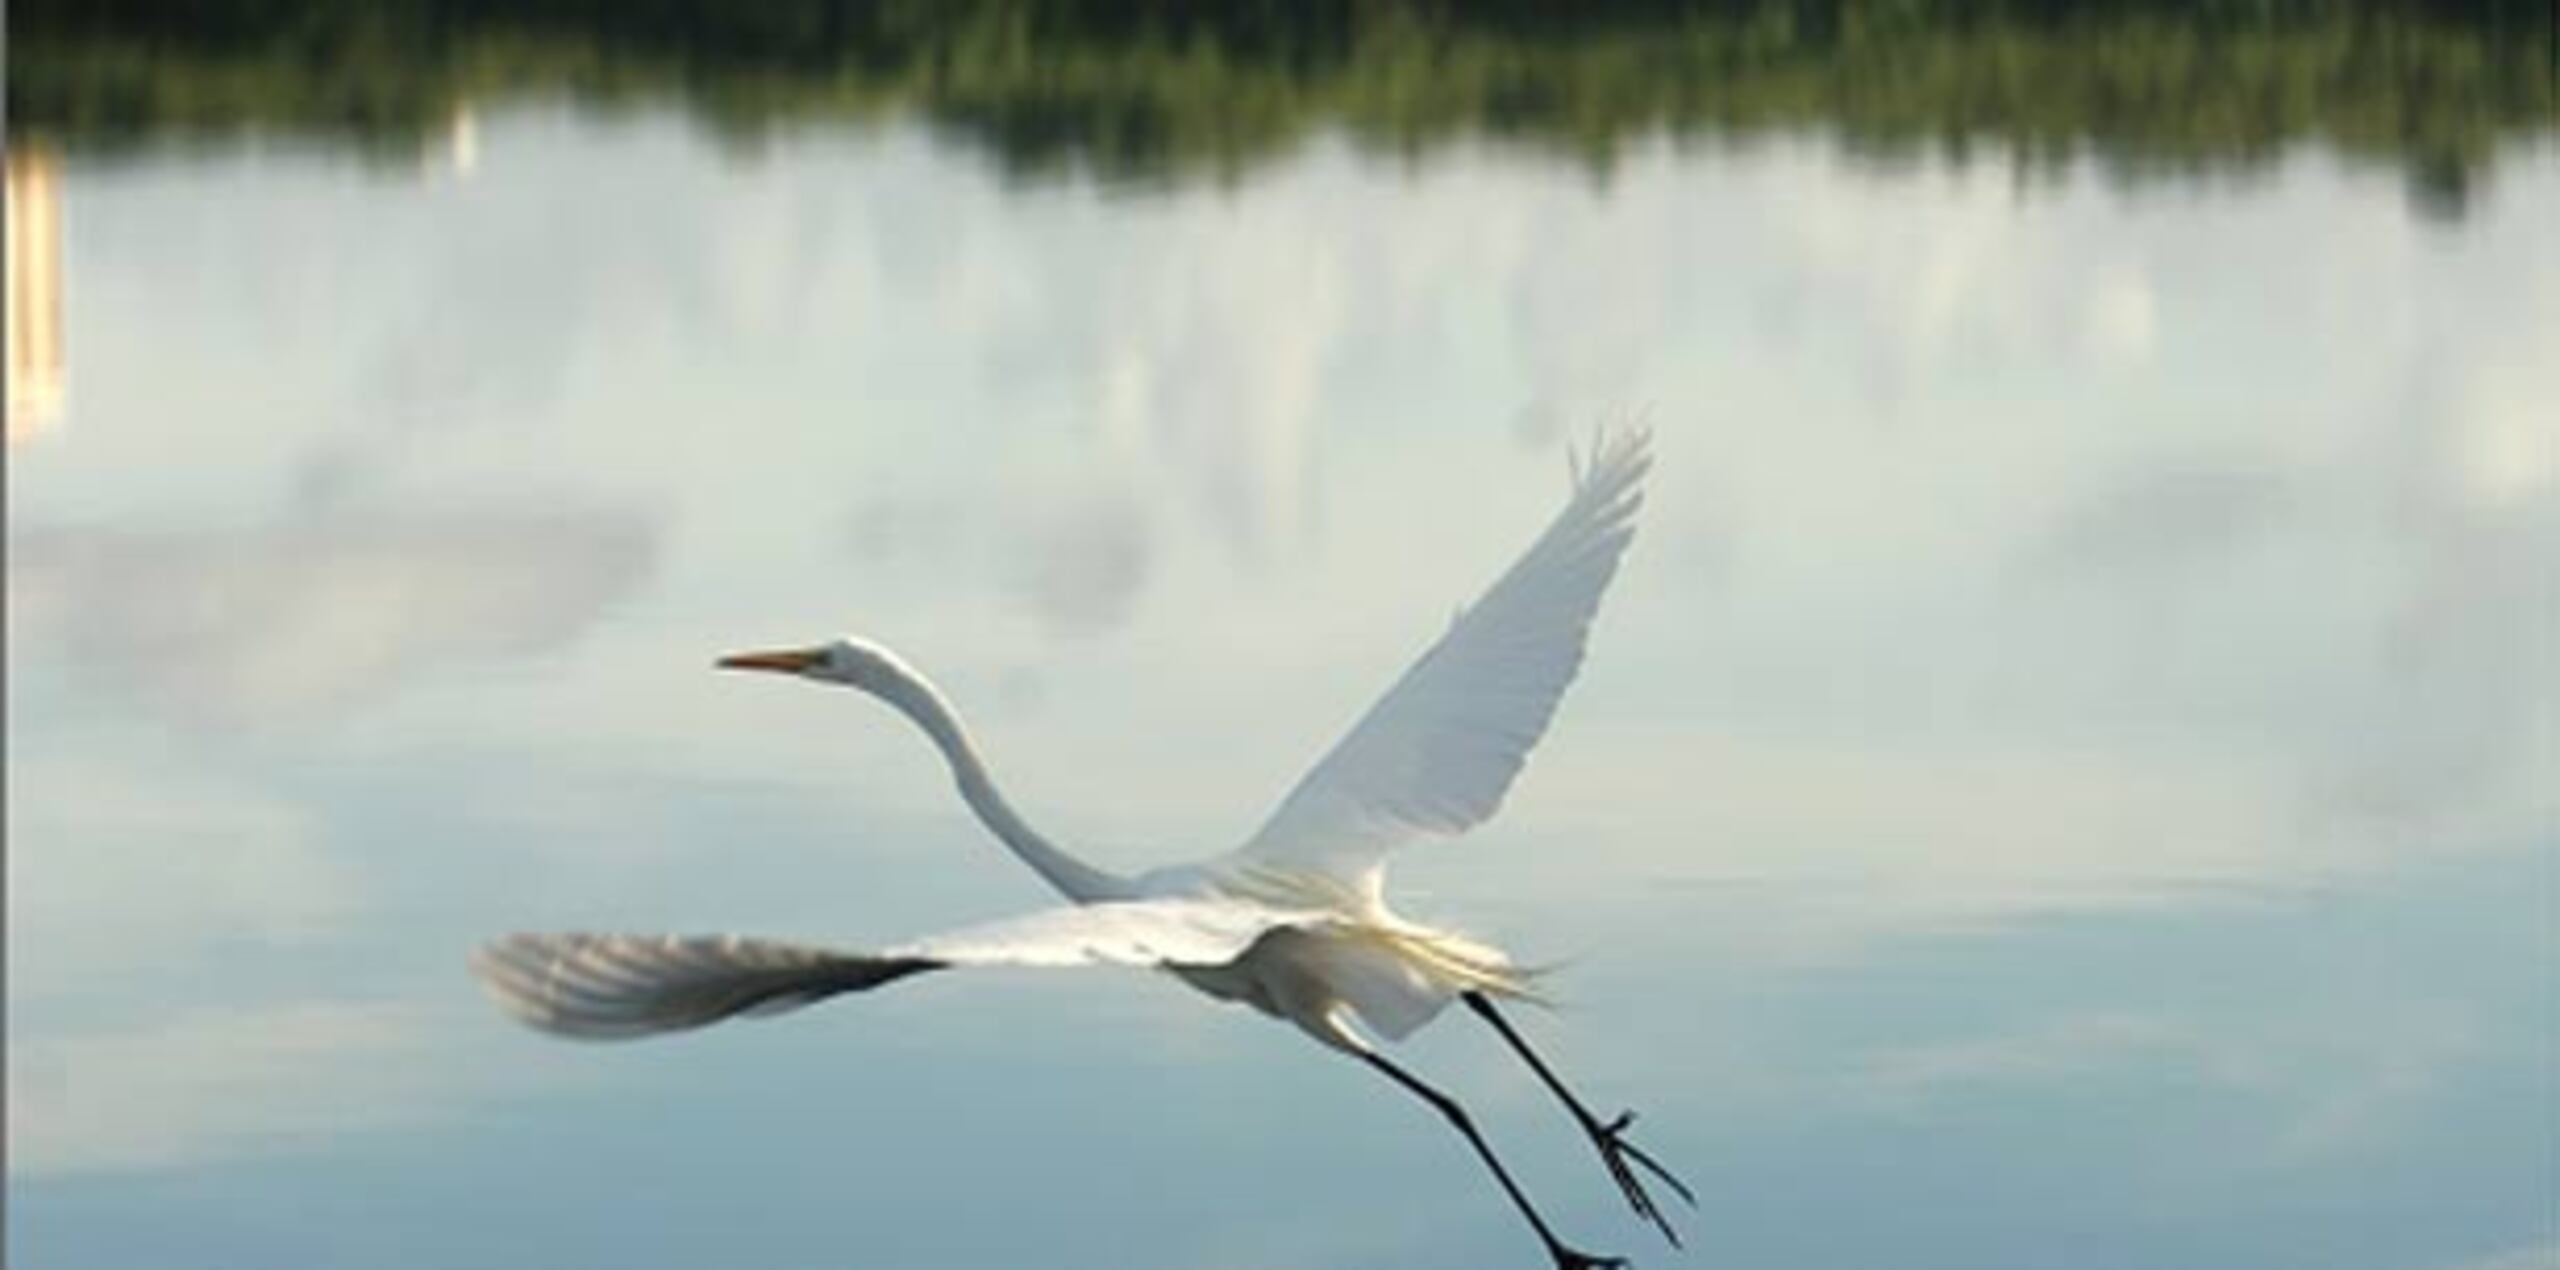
column 2064, row 777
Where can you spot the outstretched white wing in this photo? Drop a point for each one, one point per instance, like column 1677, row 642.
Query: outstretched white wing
column 1436, row 753
column 1183, row 931
column 605, row 987
column 608, row 987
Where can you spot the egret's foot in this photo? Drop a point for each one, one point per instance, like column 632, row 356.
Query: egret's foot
column 1622, row 1156
column 1569, row 1259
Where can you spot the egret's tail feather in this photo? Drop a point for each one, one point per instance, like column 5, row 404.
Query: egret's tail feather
column 610, row 987
column 1397, row 978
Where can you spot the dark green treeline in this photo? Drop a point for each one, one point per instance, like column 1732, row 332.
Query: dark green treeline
column 1137, row 90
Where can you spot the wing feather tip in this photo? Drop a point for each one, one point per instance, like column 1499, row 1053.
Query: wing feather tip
column 1532, row 625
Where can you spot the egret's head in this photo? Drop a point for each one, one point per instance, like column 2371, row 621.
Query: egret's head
column 849, row 661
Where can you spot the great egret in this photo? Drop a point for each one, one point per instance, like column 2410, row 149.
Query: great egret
column 1294, row 923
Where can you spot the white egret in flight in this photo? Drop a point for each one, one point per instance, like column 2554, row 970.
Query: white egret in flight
column 1294, row 923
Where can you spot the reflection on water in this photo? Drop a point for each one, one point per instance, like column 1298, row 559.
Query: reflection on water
column 2066, row 766
column 255, row 625
column 1156, row 92
column 35, row 292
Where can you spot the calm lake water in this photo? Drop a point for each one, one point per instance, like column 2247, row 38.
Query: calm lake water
column 2065, row 778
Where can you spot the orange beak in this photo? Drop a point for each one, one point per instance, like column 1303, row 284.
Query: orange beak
column 789, row 661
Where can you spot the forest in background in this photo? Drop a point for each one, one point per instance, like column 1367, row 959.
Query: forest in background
column 1138, row 91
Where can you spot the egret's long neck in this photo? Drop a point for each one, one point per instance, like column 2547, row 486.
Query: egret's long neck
column 918, row 700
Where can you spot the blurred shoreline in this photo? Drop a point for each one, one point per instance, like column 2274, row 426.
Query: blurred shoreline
column 1163, row 93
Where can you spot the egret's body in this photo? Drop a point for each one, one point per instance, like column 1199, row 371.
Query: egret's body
column 1294, row 923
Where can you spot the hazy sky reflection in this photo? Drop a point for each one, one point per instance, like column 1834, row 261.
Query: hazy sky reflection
column 2067, row 766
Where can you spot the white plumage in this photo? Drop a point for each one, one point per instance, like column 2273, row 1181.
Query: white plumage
column 1294, row 923
column 1437, row 753
column 1434, row 756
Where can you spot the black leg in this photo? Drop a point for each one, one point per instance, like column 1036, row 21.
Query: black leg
column 1608, row 1136
column 1566, row 1258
